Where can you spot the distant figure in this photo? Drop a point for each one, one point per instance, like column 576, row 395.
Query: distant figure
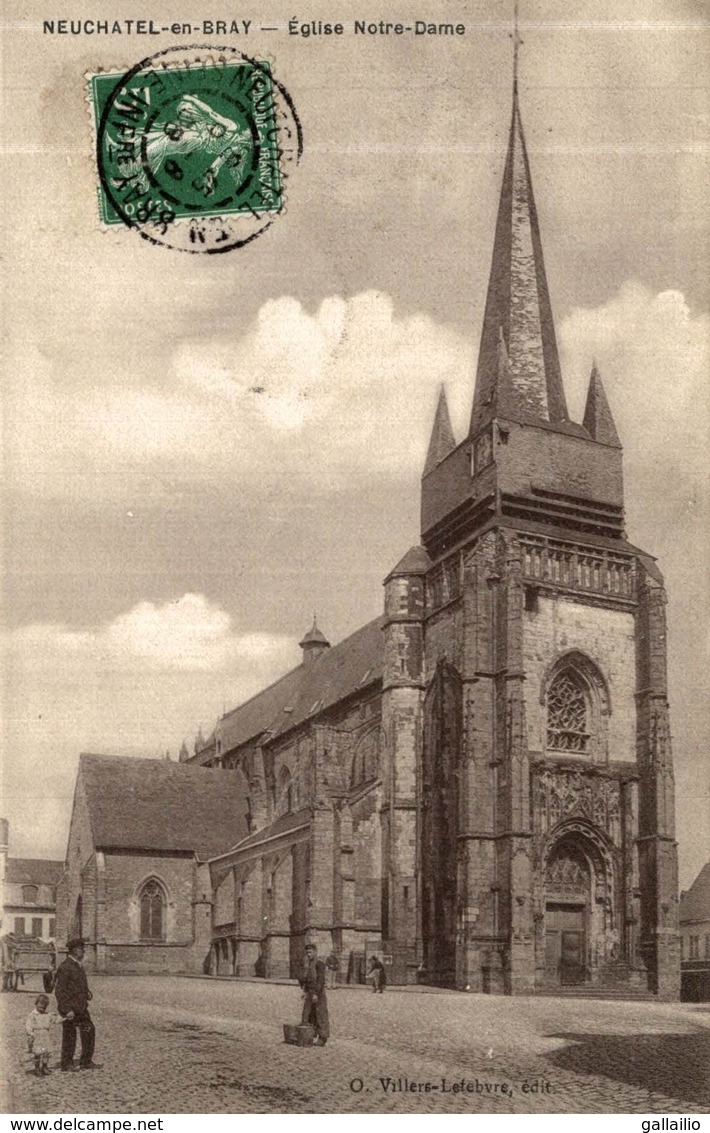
column 315, row 1003
column 8, row 951
column 50, row 975
column 332, row 967
column 73, row 997
column 37, row 1026
column 376, row 975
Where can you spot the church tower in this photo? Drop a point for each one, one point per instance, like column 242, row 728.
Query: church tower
column 529, row 636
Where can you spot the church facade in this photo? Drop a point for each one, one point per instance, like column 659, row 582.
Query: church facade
column 479, row 783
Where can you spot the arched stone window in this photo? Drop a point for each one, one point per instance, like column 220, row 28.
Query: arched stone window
column 577, row 708
column 567, row 712
column 151, row 902
column 365, row 762
column 284, row 799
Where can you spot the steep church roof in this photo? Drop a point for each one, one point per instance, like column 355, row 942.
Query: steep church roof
column 308, row 690
column 153, row 804
column 518, row 374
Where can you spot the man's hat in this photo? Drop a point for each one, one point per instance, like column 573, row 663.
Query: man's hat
column 77, row 942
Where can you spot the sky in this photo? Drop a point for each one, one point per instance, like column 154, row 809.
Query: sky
column 201, row 451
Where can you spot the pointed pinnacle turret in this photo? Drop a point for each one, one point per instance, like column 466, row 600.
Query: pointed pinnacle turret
column 598, row 420
column 518, row 306
column 442, row 435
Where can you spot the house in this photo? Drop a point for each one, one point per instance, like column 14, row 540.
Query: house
column 694, row 925
column 28, row 887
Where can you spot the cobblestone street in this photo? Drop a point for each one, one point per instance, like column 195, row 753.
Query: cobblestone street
column 172, row 1045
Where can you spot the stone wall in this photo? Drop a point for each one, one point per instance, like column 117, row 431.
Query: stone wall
column 561, row 625
column 80, row 867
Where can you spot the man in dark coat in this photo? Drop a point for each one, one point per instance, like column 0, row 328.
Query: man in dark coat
column 315, row 1002
column 73, row 996
column 377, row 975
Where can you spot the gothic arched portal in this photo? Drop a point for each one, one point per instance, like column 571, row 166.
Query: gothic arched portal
column 578, row 903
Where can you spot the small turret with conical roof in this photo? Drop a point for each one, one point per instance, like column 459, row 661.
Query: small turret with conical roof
column 313, row 644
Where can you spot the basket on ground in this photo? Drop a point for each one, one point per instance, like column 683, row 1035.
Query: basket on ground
column 299, row 1034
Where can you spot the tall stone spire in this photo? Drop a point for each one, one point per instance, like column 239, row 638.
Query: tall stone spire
column 442, row 435
column 538, row 466
column 518, row 304
column 598, row 420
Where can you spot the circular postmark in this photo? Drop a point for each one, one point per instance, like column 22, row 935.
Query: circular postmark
column 194, row 147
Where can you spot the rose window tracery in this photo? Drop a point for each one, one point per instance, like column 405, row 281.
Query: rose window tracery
column 567, row 715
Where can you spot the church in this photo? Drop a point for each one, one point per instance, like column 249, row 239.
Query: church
column 479, row 783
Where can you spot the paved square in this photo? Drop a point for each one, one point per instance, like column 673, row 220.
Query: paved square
column 173, row 1045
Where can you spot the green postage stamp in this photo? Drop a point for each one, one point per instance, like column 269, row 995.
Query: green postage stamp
column 193, row 147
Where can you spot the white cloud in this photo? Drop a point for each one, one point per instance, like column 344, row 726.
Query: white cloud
column 654, row 357
column 134, row 686
column 345, row 393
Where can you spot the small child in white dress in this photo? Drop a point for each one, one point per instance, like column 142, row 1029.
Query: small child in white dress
column 37, row 1026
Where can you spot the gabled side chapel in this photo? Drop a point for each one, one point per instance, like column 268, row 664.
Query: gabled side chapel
column 479, row 784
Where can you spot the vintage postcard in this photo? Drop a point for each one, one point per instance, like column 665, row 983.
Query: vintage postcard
column 355, row 559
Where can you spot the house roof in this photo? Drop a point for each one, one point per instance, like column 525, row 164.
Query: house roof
column 33, row 871
column 159, row 805
column 695, row 902
column 308, row 690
